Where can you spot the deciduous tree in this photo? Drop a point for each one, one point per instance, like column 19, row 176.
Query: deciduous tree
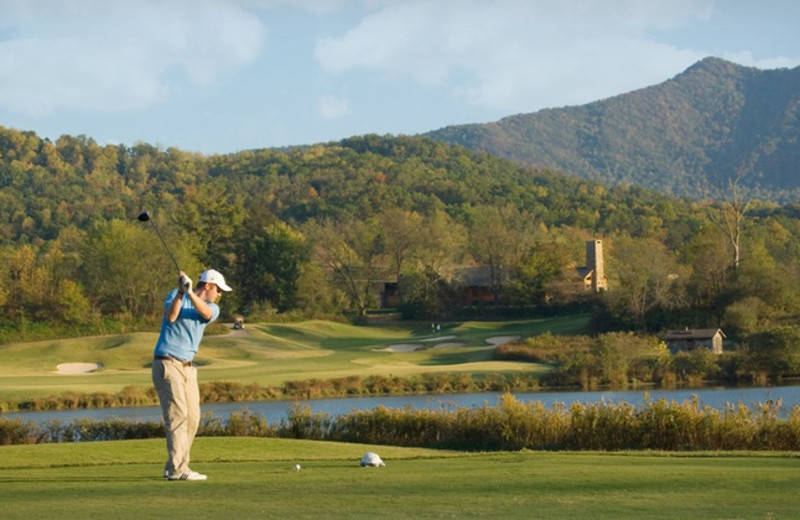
column 352, row 252
column 646, row 276
column 269, row 265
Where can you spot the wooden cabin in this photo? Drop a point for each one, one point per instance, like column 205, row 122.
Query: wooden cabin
column 687, row 340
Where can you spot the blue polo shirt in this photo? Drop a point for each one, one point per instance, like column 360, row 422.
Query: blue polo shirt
column 181, row 338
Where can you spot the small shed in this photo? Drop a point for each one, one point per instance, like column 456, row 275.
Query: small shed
column 687, row 340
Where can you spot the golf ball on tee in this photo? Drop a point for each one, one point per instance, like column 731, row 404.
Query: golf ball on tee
column 297, row 467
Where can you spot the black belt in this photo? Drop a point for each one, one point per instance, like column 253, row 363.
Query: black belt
column 170, row 358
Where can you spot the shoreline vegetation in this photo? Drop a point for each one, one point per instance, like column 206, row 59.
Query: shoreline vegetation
column 233, row 392
column 218, row 392
column 510, row 425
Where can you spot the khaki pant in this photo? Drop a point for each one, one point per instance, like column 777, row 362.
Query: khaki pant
column 179, row 396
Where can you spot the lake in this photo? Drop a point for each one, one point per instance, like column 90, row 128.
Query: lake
column 276, row 411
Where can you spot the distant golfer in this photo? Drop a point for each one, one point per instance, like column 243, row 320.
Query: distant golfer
column 186, row 314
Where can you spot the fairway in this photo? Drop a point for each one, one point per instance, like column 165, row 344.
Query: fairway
column 271, row 354
column 254, row 478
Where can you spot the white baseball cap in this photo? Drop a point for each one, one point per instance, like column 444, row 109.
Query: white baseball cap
column 215, row 277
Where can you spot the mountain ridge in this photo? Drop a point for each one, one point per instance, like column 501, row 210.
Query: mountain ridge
column 690, row 135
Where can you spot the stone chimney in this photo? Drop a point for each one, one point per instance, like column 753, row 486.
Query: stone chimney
column 594, row 262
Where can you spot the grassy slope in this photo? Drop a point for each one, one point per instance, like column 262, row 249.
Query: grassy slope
column 270, row 354
column 253, row 478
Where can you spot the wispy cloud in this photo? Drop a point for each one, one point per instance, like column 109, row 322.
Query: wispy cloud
column 517, row 53
column 220, row 75
column 332, row 107
column 117, row 55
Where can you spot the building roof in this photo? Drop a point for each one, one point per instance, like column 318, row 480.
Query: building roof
column 692, row 334
column 479, row 276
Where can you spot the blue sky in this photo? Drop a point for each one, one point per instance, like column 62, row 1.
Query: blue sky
column 220, row 76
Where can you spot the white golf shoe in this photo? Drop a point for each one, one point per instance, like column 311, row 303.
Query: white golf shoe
column 188, row 475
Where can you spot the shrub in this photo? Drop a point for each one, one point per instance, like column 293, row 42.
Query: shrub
column 245, row 423
column 15, row 431
column 303, row 424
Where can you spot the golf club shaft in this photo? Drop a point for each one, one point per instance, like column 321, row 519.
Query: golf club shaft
column 165, row 246
column 144, row 216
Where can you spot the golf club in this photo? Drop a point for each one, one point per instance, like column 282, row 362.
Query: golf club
column 144, row 216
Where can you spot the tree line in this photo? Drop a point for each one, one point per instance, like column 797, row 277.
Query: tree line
column 311, row 230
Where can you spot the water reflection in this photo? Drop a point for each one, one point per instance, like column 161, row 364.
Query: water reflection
column 275, row 411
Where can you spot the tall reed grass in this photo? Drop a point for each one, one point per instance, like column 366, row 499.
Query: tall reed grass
column 510, row 425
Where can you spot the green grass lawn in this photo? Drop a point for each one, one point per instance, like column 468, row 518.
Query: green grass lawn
column 270, row 354
column 254, row 478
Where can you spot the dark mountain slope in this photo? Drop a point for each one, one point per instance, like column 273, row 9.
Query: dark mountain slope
column 687, row 136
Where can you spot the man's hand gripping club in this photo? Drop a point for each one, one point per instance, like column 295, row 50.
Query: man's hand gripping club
column 184, row 283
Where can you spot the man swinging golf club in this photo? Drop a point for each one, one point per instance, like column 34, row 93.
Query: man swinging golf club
column 186, row 314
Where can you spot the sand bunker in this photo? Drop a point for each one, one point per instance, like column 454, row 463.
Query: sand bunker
column 450, row 344
column 501, row 340
column 438, row 338
column 72, row 369
column 409, row 347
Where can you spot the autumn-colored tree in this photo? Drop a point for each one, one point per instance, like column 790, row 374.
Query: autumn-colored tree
column 401, row 237
column 499, row 239
column 645, row 276
column 707, row 255
column 27, row 282
column 126, row 269
column 352, row 252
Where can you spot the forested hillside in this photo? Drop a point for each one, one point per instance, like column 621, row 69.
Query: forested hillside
column 688, row 136
column 311, row 232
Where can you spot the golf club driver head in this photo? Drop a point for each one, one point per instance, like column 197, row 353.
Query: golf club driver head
column 144, row 216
